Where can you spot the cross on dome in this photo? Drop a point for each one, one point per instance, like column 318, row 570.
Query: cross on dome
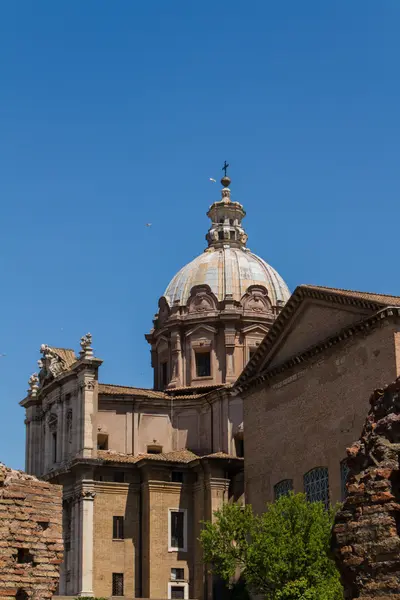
column 226, row 219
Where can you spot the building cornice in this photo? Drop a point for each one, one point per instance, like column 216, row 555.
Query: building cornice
column 371, row 302
column 365, row 326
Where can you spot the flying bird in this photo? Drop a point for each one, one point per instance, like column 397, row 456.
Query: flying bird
column 213, row 180
column 149, row 224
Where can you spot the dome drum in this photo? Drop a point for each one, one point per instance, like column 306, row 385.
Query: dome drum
column 217, row 309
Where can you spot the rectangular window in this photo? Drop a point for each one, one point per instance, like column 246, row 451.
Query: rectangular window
column 177, row 529
column 118, row 528
column 117, row 584
column 54, row 447
column 177, row 574
column 203, row 364
column 239, row 443
column 177, row 592
column 177, row 476
column 164, row 374
column 119, row 477
column 102, row 441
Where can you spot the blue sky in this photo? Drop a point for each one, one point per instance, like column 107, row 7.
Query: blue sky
column 115, row 114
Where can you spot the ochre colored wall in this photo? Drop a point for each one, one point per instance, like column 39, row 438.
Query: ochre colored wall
column 116, row 556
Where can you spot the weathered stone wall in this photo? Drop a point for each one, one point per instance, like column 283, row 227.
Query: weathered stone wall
column 31, row 547
column 366, row 535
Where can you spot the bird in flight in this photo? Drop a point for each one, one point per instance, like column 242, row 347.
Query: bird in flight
column 213, row 180
column 149, row 224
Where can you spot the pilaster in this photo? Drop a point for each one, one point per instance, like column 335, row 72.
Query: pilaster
column 87, row 496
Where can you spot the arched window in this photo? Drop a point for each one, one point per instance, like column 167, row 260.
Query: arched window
column 316, row 485
column 282, row 488
column 344, row 472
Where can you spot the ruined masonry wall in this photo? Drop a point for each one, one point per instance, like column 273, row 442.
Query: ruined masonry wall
column 31, row 547
column 366, row 534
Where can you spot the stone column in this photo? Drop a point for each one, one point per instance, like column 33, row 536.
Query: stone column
column 73, row 583
column 176, row 360
column 87, row 519
column 135, row 427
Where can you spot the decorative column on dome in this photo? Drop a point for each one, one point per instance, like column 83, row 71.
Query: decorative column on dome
column 226, row 220
column 176, row 360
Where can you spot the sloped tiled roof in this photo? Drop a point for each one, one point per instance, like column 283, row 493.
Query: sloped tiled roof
column 384, row 299
column 67, row 355
column 121, row 390
column 222, row 455
column 365, row 300
column 177, row 456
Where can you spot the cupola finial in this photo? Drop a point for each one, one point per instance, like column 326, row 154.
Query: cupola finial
column 225, row 180
column 226, row 219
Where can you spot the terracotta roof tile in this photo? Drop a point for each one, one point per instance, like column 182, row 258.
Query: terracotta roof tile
column 110, row 456
column 222, row 455
column 349, row 296
column 385, row 299
column 121, row 390
column 179, row 456
column 67, row 355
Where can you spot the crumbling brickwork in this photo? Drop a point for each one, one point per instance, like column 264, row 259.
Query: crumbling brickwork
column 366, row 535
column 31, row 547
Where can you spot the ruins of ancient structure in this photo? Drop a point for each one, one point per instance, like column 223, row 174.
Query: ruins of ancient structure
column 366, row 535
column 31, row 546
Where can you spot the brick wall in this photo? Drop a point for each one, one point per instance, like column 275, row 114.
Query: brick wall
column 366, row 535
column 308, row 415
column 31, row 547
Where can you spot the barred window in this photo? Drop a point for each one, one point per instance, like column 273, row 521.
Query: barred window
column 344, row 472
column 177, row 592
column 316, row 485
column 282, row 488
column 117, row 584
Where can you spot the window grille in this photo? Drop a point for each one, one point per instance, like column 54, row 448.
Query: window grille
column 344, row 472
column 316, row 485
column 117, row 584
column 118, row 528
column 177, row 592
column 282, row 488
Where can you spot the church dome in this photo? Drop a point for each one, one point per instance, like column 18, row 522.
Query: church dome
column 229, row 271
column 227, row 266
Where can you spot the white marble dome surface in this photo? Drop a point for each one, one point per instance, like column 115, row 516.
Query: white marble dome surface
column 227, row 270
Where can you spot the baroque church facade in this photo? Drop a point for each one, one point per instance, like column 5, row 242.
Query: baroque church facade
column 142, row 468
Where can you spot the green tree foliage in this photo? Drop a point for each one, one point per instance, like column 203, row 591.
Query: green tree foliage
column 282, row 554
